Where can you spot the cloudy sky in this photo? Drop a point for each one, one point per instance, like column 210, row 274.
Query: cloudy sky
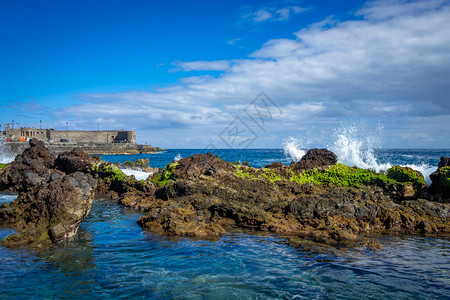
column 192, row 74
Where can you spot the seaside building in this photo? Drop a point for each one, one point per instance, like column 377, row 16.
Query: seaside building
column 74, row 136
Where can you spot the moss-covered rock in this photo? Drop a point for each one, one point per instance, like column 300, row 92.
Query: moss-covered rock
column 2, row 165
column 333, row 204
column 440, row 185
column 405, row 175
column 165, row 175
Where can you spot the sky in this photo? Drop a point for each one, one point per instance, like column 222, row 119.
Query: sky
column 230, row 74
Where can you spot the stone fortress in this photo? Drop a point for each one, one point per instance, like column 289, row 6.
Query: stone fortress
column 52, row 135
column 93, row 142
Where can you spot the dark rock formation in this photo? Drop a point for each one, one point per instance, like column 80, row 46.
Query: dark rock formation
column 51, row 204
column 75, row 161
column 200, row 165
column 440, row 181
column 26, row 169
column 444, row 162
column 206, row 197
column 315, row 158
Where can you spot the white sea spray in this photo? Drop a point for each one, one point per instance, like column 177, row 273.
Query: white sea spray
column 138, row 174
column 293, row 148
column 5, row 155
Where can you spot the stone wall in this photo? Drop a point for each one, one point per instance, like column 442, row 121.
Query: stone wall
column 83, row 136
column 51, row 135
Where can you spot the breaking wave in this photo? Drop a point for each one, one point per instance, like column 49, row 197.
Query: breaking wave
column 355, row 145
column 5, row 156
column 293, row 148
column 138, row 174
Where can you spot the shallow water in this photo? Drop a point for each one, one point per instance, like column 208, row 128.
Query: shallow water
column 111, row 257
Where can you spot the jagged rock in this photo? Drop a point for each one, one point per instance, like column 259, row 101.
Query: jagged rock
column 51, row 204
column 34, row 162
column 440, row 181
column 51, row 210
column 202, row 196
column 315, row 158
column 444, row 162
column 75, row 161
column 200, row 165
column 37, row 150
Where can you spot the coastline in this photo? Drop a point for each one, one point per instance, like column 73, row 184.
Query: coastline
column 56, row 148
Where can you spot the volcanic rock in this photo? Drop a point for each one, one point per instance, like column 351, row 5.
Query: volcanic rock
column 440, row 181
column 51, row 204
column 315, row 158
column 75, row 161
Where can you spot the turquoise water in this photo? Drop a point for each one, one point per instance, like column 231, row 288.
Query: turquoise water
column 111, row 257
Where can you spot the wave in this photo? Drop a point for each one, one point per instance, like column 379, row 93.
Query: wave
column 293, row 148
column 138, row 174
column 354, row 145
column 5, row 156
column 177, row 157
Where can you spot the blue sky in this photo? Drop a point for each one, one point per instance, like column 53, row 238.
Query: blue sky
column 181, row 73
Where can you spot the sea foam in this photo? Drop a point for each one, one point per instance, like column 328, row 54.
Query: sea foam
column 354, row 145
column 293, row 148
column 138, row 174
column 5, row 156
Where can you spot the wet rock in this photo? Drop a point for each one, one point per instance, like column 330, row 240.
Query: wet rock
column 51, row 204
column 315, row 158
column 205, row 196
column 49, row 212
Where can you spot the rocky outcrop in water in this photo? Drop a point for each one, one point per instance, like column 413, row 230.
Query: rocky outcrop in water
column 204, row 196
column 51, row 204
column 440, row 181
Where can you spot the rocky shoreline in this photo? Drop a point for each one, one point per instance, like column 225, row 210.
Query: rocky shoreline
column 90, row 148
column 203, row 196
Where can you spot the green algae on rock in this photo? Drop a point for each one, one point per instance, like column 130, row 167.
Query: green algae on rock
column 205, row 196
column 332, row 204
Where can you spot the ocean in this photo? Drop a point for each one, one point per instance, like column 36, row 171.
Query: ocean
column 112, row 257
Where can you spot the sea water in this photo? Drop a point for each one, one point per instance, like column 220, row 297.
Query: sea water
column 112, row 257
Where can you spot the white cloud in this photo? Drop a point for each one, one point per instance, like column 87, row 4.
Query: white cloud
column 272, row 14
column 201, row 65
column 391, row 66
